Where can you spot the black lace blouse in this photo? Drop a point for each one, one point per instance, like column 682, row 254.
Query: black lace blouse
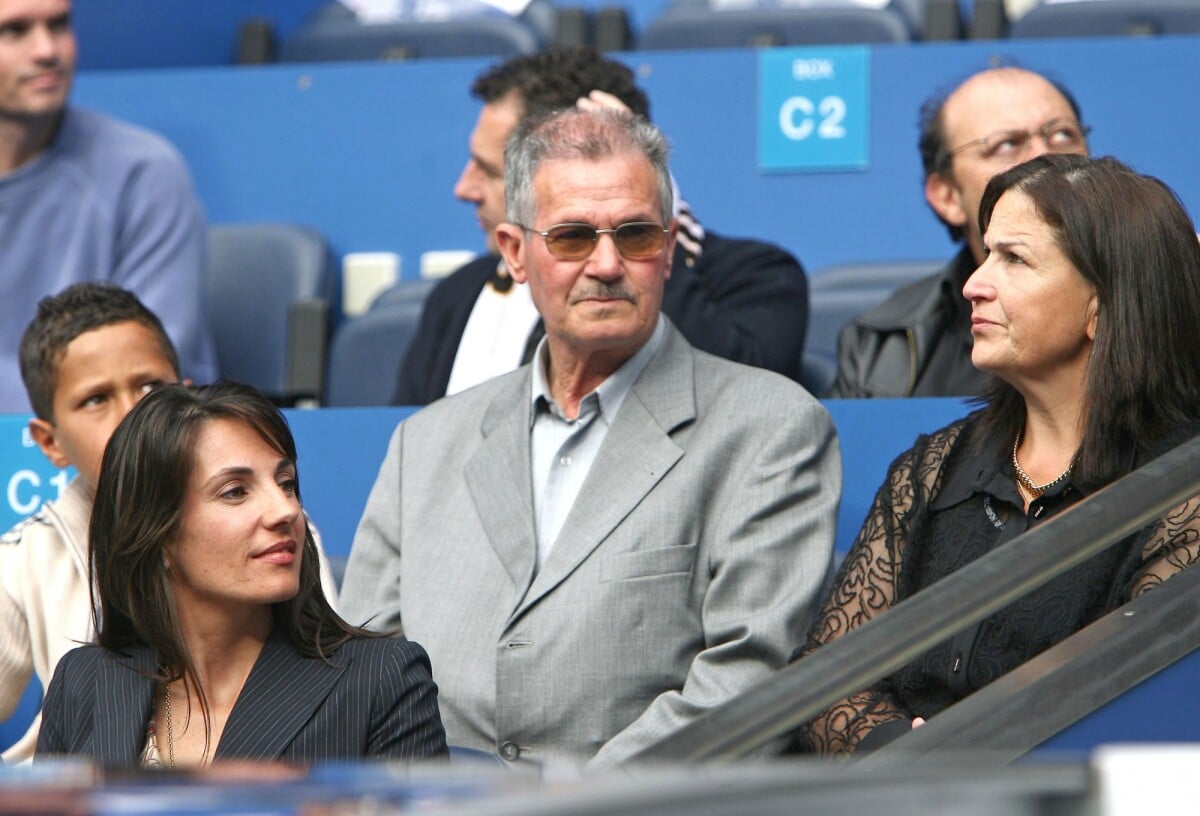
column 942, row 505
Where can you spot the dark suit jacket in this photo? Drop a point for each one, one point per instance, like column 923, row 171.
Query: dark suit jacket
column 743, row 300
column 374, row 698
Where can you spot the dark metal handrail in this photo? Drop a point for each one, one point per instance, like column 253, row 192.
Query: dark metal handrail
column 1018, row 712
column 883, row 645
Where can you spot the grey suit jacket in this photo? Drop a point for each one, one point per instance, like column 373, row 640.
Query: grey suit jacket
column 374, row 697
column 683, row 574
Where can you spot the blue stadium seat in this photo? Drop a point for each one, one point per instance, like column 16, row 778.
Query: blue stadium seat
column 367, row 350
column 874, row 274
column 269, row 293
column 1107, row 18
column 27, row 708
column 695, row 24
column 409, row 291
column 830, row 309
column 838, row 294
column 334, row 33
column 818, row 370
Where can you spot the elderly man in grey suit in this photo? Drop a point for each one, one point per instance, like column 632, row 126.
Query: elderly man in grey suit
column 604, row 544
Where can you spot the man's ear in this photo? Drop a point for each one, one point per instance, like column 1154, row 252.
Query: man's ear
column 945, row 199
column 509, row 240
column 44, row 435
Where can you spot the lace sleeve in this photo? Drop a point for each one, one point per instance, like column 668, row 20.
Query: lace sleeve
column 1173, row 543
column 867, row 584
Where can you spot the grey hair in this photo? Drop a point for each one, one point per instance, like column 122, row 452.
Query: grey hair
column 576, row 134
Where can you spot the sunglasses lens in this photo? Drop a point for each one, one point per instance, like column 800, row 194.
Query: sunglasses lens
column 636, row 240
column 639, row 239
column 571, row 241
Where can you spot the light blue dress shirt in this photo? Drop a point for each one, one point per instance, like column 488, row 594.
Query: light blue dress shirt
column 562, row 450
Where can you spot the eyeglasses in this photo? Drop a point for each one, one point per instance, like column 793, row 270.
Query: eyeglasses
column 1058, row 135
column 635, row 240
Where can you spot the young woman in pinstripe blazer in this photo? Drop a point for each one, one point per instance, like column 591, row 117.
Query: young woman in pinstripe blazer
column 215, row 639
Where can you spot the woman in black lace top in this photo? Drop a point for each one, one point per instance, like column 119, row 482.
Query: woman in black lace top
column 1085, row 313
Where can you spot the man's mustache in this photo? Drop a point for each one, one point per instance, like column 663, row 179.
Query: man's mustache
column 606, row 291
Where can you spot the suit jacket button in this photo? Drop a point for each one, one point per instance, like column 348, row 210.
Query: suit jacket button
column 509, row 751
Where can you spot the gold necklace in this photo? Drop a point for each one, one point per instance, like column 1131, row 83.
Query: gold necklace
column 170, row 727
column 1023, row 479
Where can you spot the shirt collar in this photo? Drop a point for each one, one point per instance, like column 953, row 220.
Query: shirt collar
column 609, row 394
column 981, row 472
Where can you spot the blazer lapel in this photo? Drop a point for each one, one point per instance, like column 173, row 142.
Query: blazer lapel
column 636, row 454
column 280, row 695
column 500, row 484
column 123, row 707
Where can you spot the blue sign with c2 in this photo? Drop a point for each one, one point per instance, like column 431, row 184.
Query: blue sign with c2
column 813, row 108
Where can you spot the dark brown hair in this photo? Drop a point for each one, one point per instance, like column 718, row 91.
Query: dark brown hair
column 60, row 318
column 557, row 77
column 1130, row 237
column 138, row 512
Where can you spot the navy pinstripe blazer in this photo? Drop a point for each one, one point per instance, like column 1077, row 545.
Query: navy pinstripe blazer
column 374, row 698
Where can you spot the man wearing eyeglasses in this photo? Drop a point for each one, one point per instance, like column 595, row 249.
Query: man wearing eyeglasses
column 603, row 545
column 918, row 341
column 740, row 299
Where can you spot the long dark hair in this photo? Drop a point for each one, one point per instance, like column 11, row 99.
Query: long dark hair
column 138, row 512
column 1131, row 238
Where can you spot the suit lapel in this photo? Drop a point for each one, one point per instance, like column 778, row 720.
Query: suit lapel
column 280, row 695
column 636, row 454
column 123, row 707
column 500, row 484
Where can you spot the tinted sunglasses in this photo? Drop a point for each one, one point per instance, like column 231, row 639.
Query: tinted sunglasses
column 635, row 240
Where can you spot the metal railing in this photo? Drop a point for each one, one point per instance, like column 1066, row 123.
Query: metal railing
column 1018, row 712
column 865, row 655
